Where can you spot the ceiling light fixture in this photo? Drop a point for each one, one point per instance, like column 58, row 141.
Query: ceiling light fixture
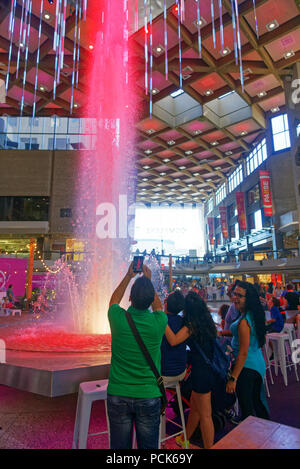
column 177, row 93
column 182, row 167
column 155, row 91
column 289, row 54
column 225, row 51
column 215, row 143
column 146, row 167
column 91, row 47
column 272, row 25
column 197, row 132
column 150, row 131
column 196, row 174
column 275, row 109
column 162, row 174
column 188, row 152
column 171, row 142
column 209, row 92
column 261, row 94
column 243, row 133
column 148, row 152
column 166, row 160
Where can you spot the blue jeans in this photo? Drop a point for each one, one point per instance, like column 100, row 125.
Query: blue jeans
column 123, row 412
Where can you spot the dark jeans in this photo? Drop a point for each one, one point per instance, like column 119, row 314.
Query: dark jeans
column 123, row 412
column 248, row 391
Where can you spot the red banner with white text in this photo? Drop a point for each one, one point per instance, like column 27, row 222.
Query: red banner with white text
column 223, row 220
column 265, row 186
column 211, row 228
column 240, row 204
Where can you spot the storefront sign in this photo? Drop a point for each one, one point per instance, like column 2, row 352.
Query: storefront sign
column 223, row 220
column 13, row 271
column 265, row 186
column 240, row 203
column 211, row 228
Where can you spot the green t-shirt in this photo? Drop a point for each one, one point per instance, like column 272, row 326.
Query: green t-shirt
column 130, row 375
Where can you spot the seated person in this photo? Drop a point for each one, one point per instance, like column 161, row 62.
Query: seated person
column 7, row 304
column 275, row 324
column 173, row 359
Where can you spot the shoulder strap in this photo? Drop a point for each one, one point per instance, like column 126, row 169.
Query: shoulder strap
column 143, row 347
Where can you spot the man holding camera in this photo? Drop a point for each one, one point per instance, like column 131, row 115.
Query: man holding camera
column 133, row 394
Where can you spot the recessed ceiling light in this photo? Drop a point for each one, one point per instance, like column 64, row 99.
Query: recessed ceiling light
column 218, row 168
column 148, row 152
column 171, row 142
column 275, row 109
column 173, row 189
column 261, row 94
column 177, row 180
column 243, row 133
column 166, row 160
column 225, row 51
column 144, row 190
column 162, row 174
column 202, row 22
column 182, row 167
column 228, row 153
column 42, row 88
column 159, row 49
column 289, row 54
column 204, row 160
column 145, row 179
column 190, row 185
column 155, row 91
column 150, row 131
column 197, row 132
column 177, row 93
column 188, row 152
column 272, row 25
column 76, row 105
column 196, row 174
column 214, row 143
column 209, row 92
column 146, row 167
column 91, row 47
column 159, row 185
column 209, row 180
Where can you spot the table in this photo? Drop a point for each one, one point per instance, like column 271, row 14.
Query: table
column 255, row 433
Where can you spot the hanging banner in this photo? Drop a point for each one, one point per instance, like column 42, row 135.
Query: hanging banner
column 223, row 220
column 240, row 204
column 265, row 186
column 211, row 222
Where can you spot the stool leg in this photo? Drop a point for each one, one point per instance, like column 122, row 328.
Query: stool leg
column 276, row 358
column 76, row 425
column 162, row 431
column 84, row 420
column 267, row 387
column 282, row 360
column 178, row 392
column 107, row 423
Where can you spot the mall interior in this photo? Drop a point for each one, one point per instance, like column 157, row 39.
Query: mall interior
column 213, row 88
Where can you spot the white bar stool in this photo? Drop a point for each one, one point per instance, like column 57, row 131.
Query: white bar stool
column 162, row 432
column 89, row 392
column 280, row 340
column 268, row 369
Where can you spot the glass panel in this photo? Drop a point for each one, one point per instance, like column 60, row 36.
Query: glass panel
column 12, row 141
column 74, row 126
column 279, row 141
column 61, row 125
column 277, row 124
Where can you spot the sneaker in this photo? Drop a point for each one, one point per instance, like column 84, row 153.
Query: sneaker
column 180, row 442
column 235, row 419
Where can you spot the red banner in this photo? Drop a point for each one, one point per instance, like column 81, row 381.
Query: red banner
column 240, row 204
column 223, row 220
column 265, row 186
column 211, row 221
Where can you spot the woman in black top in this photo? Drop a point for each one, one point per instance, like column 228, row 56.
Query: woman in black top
column 200, row 331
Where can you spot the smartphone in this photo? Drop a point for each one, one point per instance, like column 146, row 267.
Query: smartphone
column 138, row 264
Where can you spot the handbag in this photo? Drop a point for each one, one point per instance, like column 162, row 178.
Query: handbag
column 159, row 378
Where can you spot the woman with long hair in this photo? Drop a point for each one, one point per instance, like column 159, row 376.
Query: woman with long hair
column 248, row 374
column 200, row 331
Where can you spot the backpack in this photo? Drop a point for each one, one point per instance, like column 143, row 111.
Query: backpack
column 221, row 364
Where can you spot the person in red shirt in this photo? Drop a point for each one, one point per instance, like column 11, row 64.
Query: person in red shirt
column 222, row 314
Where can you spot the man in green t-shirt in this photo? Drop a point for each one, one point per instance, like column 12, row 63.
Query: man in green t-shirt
column 133, row 396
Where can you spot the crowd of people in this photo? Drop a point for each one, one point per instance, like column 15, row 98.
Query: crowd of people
column 183, row 339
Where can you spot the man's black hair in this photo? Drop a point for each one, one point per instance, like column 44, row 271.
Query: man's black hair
column 142, row 293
